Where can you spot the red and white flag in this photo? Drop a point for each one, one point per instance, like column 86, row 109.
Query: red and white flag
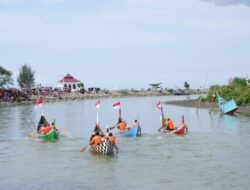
column 97, row 104
column 159, row 105
column 39, row 103
column 117, row 105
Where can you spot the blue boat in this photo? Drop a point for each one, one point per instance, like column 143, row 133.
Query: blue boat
column 227, row 107
column 133, row 131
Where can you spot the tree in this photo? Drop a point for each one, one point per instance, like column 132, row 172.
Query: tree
column 186, row 85
column 5, row 77
column 155, row 85
column 237, row 81
column 26, row 77
column 80, row 85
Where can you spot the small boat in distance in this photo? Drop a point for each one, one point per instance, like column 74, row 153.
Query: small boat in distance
column 227, row 107
column 181, row 92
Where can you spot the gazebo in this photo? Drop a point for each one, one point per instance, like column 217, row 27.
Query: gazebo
column 69, row 83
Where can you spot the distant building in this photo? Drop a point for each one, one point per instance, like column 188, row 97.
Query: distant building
column 69, row 83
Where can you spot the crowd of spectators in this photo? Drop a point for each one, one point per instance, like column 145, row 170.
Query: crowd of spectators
column 20, row 95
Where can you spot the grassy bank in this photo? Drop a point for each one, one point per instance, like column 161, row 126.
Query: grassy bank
column 238, row 88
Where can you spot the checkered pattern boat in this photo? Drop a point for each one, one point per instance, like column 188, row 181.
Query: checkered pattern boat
column 105, row 148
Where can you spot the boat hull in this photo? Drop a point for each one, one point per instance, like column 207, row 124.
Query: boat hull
column 227, row 107
column 49, row 136
column 105, row 148
column 134, row 131
column 181, row 130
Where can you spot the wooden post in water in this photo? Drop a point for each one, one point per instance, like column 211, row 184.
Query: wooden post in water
column 211, row 103
column 198, row 106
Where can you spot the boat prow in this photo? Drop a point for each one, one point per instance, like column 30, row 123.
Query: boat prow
column 181, row 130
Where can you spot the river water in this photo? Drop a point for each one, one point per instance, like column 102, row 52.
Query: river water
column 213, row 155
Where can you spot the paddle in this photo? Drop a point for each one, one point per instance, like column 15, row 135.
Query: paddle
column 83, row 148
column 34, row 132
column 162, row 116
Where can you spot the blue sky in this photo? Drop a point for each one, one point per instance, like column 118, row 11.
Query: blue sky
column 127, row 43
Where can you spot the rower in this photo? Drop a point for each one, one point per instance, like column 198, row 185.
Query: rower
column 170, row 125
column 45, row 129
column 96, row 139
column 112, row 138
column 122, row 126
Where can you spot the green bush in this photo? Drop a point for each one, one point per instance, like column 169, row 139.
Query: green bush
column 237, row 89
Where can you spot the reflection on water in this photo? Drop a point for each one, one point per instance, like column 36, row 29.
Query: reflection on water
column 152, row 161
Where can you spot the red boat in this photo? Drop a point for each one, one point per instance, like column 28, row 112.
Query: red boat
column 181, row 130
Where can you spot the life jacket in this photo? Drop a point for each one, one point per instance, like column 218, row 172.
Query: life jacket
column 96, row 140
column 46, row 129
column 112, row 139
column 122, row 126
column 171, row 125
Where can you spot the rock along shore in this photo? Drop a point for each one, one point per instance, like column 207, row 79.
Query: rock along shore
column 79, row 96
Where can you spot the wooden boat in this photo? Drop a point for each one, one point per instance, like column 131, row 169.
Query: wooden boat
column 105, row 148
column 181, row 130
column 52, row 134
column 133, row 131
column 227, row 107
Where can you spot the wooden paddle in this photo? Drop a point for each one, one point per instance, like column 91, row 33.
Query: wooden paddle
column 162, row 116
column 32, row 134
column 83, row 148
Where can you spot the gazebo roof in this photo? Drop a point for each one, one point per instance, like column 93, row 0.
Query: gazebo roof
column 68, row 78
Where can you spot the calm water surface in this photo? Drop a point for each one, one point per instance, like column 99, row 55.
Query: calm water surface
column 213, row 155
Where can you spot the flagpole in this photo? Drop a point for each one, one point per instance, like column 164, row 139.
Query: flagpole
column 97, row 104
column 97, row 116
column 120, row 112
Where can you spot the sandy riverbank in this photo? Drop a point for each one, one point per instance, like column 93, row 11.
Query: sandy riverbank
column 205, row 105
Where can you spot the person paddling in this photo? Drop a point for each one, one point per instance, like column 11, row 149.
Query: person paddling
column 167, row 124
column 45, row 129
column 122, row 126
column 111, row 138
column 170, row 125
column 135, row 123
column 164, row 124
column 96, row 140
